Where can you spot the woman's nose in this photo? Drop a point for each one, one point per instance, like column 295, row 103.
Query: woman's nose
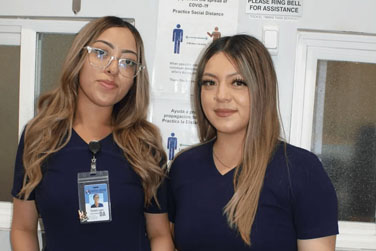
column 223, row 93
column 113, row 66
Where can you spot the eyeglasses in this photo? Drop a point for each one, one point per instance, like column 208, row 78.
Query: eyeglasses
column 101, row 59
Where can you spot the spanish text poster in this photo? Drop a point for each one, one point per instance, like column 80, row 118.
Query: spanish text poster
column 293, row 8
column 185, row 28
column 177, row 121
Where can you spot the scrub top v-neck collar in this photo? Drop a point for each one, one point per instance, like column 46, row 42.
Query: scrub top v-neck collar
column 82, row 141
column 228, row 173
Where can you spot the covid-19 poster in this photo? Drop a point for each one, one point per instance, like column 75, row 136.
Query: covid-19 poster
column 185, row 28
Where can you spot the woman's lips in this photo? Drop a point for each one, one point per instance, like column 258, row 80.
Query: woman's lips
column 224, row 112
column 108, row 84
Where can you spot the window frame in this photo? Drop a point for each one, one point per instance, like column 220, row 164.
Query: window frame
column 313, row 46
column 23, row 32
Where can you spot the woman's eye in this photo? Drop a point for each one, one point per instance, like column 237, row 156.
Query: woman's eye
column 127, row 62
column 207, row 83
column 100, row 53
column 239, row 82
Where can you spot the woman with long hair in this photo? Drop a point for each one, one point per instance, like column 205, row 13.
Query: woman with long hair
column 90, row 137
column 243, row 187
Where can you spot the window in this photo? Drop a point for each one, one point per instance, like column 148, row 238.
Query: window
column 50, row 59
column 24, row 74
column 9, row 71
column 334, row 115
column 344, row 134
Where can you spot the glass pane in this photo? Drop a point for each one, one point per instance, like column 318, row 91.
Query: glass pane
column 344, row 134
column 52, row 49
column 9, row 86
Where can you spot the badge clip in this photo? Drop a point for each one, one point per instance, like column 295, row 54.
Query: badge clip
column 94, row 147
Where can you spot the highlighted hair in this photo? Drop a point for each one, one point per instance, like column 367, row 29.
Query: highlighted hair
column 254, row 63
column 50, row 130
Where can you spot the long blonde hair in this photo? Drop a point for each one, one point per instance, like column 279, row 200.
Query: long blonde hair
column 50, row 130
column 256, row 67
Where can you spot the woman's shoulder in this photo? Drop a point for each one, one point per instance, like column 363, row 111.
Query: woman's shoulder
column 302, row 167
column 295, row 163
column 192, row 156
column 194, row 151
column 294, row 155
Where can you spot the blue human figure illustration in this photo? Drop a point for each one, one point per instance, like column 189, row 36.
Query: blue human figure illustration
column 177, row 38
column 172, row 144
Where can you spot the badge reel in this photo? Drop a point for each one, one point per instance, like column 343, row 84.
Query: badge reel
column 94, row 192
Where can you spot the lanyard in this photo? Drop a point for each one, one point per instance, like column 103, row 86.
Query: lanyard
column 94, row 191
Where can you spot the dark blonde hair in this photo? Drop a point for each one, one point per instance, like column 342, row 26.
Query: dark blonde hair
column 255, row 65
column 50, row 130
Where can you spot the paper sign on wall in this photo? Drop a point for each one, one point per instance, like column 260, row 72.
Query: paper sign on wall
column 177, row 122
column 185, row 28
column 275, row 7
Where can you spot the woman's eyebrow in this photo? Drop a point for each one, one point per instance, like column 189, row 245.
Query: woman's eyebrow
column 129, row 51
column 208, row 74
column 113, row 47
column 214, row 76
column 105, row 42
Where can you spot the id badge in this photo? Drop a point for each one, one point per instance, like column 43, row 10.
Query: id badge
column 94, row 197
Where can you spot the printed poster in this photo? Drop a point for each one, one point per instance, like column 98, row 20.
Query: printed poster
column 177, row 122
column 185, row 28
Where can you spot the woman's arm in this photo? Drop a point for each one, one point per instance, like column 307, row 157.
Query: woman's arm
column 24, row 231
column 172, row 229
column 158, row 228
column 327, row 243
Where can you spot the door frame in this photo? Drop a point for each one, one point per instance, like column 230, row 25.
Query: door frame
column 23, row 32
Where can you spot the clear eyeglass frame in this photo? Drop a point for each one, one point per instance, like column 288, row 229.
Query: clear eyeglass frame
column 138, row 67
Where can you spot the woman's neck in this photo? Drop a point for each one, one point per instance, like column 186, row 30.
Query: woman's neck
column 228, row 151
column 92, row 122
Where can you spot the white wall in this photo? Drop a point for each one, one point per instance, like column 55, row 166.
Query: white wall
column 327, row 15
column 143, row 11
column 4, row 239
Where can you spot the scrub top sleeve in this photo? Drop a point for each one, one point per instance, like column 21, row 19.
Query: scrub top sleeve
column 153, row 208
column 19, row 172
column 315, row 200
column 170, row 200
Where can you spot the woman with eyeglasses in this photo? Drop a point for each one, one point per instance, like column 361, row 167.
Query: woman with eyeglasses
column 90, row 136
column 243, row 188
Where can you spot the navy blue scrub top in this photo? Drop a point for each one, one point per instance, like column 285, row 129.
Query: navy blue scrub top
column 297, row 201
column 56, row 199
